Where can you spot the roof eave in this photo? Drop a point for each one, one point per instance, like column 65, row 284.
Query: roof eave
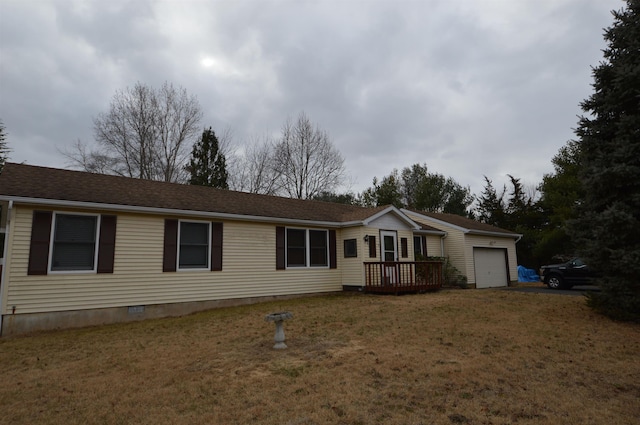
column 435, row 220
column 487, row 233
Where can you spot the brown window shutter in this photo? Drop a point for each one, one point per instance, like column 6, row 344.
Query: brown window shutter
column 170, row 245
column 333, row 263
column 280, row 236
column 39, row 247
column 216, row 247
column 424, row 246
column 372, row 247
column 107, row 245
column 404, row 248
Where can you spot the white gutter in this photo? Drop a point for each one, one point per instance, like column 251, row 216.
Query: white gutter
column 4, row 268
column 500, row 234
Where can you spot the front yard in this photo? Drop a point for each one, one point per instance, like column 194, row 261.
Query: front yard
column 450, row 357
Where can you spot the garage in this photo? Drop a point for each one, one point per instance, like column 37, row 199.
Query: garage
column 490, row 267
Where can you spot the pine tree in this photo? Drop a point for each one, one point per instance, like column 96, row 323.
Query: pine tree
column 491, row 207
column 207, row 165
column 561, row 192
column 608, row 225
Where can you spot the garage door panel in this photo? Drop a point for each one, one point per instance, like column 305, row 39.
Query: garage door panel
column 490, row 267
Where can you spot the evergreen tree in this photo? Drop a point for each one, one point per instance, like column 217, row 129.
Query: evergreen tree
column 207, row 166
column 387, row 192
column 607, row 229
column 561, row 193
column 337, row 198
column 418, row 189
column 491, row 207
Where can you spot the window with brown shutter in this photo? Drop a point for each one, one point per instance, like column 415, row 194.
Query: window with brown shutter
column 304, row 248
column 216, row 246
column 333, row 261
column 170, row 252
column 372, row 247
column 39, row 246
column 404, row 248
column 280, row 248
column 107, row 244
column 70, row 241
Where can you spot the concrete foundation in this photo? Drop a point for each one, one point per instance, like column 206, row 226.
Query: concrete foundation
column 20, row 324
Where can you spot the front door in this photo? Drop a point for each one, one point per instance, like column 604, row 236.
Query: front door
column 389, row 248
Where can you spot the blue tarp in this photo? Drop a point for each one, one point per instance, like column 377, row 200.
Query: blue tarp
column 527, row 275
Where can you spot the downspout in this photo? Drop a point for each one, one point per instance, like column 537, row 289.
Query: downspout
column 4, row 268
column 442, row 244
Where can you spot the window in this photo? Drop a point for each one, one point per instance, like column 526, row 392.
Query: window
column 307, row 248
column 350, row 248
column 192, row 245
column 318, row 248
column 296, row 248
column 74, row 242
column 193, row 252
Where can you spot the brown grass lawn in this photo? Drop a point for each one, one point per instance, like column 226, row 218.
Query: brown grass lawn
column 451, row 357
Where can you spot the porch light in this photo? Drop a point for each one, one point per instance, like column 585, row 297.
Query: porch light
column 366, row 239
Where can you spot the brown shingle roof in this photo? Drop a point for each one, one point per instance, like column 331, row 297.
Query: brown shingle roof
column 19, row 180
column 464, row 222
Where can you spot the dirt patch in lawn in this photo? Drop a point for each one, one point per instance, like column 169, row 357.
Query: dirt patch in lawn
column 451, row 357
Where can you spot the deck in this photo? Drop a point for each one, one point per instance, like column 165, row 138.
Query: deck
column 399, row 277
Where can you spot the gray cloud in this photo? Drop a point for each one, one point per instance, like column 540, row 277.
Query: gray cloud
column 471, row 88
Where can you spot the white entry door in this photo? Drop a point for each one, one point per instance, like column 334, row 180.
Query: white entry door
column 389, row 246
column 389, row 252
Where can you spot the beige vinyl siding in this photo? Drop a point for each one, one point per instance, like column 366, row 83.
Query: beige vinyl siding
column 248, row 270
column 352, row 268
column 434, row 246
column 454, row 245
column 388, row 221
column 455, row 250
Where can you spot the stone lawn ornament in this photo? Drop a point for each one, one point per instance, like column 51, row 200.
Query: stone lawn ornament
column 278, row 318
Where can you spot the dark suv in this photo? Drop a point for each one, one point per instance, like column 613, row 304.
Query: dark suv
column 565, row 275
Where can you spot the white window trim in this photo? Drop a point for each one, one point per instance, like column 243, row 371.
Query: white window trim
column 95, row 247
column 193, row 269
column 307, row 242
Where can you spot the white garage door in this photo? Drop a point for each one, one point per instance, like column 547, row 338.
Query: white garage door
column 491, row 267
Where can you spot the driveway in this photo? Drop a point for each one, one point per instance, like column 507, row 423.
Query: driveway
column 543, row 289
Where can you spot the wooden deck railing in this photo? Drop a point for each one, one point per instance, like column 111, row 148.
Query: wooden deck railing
column 398, row 277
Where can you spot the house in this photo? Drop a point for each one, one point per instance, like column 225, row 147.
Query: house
column 83, row 249
column 485, row 254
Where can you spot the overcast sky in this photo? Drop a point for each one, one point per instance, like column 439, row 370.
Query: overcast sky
column 469, row 87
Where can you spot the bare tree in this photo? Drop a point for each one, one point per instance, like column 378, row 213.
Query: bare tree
column 254, row 172
column 306, row 160
column 95, row 161
column 4, row 147
column 146, row 134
